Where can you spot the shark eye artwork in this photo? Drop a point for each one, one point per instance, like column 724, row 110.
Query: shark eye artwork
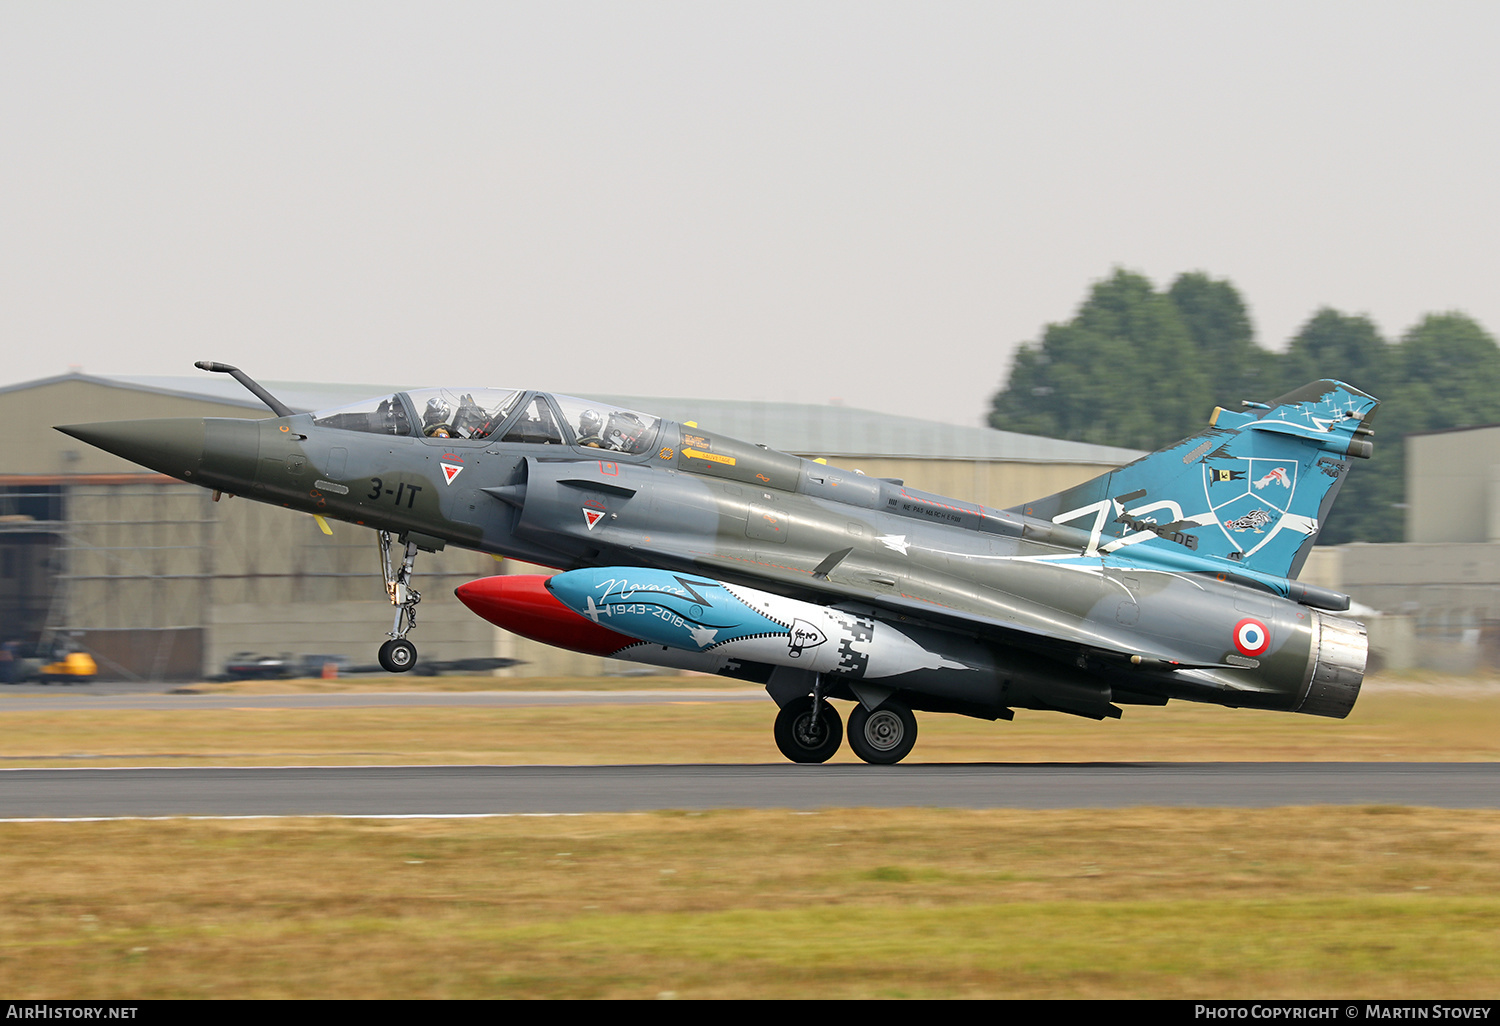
column 1172, row 578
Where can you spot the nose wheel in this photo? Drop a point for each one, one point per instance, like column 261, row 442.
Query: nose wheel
column 399, row 655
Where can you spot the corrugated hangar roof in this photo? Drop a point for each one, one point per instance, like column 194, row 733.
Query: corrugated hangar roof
column 221, row 388
column 805, row 428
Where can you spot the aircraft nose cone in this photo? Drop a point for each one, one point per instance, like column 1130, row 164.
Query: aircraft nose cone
column 171, row 446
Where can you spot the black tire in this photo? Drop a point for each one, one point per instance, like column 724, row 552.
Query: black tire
column 883, row 737
column 398, row 656
column 802, row 740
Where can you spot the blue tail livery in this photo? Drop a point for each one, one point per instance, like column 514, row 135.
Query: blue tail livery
column 1252, row 489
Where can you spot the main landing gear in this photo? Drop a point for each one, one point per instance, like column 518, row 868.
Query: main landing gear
column 399, row 655
column 808, row 729
column 884, row 736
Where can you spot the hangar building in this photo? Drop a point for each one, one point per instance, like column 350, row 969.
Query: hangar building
column 1439, row 592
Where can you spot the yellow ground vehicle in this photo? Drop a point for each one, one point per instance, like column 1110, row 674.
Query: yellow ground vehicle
column 73, row 668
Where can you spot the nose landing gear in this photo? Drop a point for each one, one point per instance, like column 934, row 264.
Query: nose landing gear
column 399, row 655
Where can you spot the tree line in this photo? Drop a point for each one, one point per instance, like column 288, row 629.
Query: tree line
column 1143, row 368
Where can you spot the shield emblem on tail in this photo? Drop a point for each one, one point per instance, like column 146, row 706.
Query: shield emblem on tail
column 1249, row 496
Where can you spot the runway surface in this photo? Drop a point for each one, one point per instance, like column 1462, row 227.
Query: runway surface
column 57, row 700
column 498, row 790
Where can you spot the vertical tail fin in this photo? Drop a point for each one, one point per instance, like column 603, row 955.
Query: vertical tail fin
column 1254, row 488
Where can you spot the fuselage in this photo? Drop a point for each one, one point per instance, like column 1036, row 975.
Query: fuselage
column 1034, row 610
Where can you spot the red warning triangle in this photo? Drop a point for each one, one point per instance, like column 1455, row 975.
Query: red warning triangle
column 450, row 471
column 592, row 517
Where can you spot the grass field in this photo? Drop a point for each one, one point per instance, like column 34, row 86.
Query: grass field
column 1395, row 724
column 1397, row 903
column 1199, row 903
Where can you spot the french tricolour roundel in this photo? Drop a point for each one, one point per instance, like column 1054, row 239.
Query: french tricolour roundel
column 1251, row 637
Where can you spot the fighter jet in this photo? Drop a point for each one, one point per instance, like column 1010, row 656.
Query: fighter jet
column 1173, row 577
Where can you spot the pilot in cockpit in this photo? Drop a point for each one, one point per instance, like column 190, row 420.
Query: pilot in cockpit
column 590, row 426
column 435, row 419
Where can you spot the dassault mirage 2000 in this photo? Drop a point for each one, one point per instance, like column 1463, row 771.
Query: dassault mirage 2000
column 1171, row 577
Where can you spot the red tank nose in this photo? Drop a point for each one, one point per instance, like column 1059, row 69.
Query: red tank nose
column 522, row 605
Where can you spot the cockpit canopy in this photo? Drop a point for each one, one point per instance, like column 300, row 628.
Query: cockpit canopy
column 498, row 413
column 462, row 413
column 597, row 426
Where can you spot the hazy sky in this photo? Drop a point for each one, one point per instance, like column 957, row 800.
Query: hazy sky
column 870, row 201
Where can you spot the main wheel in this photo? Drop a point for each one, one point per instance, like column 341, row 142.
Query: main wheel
column 884, row 736
column 398, row 655
column 803, row 739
